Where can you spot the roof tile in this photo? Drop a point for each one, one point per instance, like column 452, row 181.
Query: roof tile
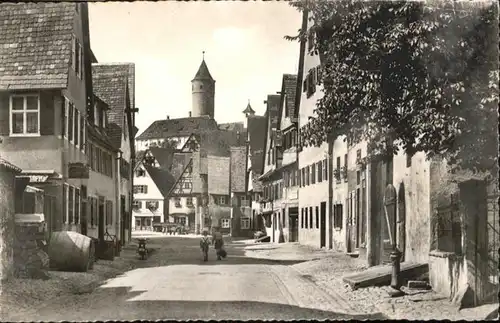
column 35, row 44
column 178, row 127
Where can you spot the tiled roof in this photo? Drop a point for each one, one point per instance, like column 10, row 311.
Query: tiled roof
column 289, row 87
column 257, row 132
column 177, row 127
column 238, row 169
column 163, row 179
column 35, row 44
column 218, row 142
column 100, row 137
column 232, row 126
column 179, row 163
column 110, row 82
column 164, row 156
column 203, row 73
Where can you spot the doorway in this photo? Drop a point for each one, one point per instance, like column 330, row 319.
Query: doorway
column 274, row 227
column 323, row 224
column 294, row 224
column 100, row 220
column 83, row 223
column 123, row 220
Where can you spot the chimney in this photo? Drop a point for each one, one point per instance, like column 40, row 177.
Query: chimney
column 190, row 114
column 168, row 117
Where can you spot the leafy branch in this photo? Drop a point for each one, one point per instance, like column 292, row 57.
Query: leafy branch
column 407, row 75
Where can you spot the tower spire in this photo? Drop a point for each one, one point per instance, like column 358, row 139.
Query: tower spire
column 203, row 53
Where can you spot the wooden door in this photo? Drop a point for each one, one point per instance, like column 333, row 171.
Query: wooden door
column 83, row 218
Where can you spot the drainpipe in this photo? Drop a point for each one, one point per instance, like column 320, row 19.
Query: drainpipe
column 118, row 195
column 330, row 193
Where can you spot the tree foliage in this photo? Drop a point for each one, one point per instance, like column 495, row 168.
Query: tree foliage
column 417, row 76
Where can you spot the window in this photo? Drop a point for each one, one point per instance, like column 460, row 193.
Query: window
column 325, row 169
column 317, row 217
column 77, row 127
column 303, row 181
column 152, row 205
column 221, row 200
column 65, row 203
column 311, row 82
column 302, row 218
column 143, row 189
column 187, row 185
column 245, row 223
column 71, row 206
column 92, row 211
column 66, row 117
column 77, row 205
column 283, row 218
column 345, row 165
column 337, row 216
column 310, row 217
column 96, row 115
column 189, row 201
column 109, row 212
column 310, row 41
column 226, row 223
column 177, row 201
column 337, row 175
column 307, row 175
column 244, row 201
column 71, row 121
column 313, row 173
column 25, row 115
column 137, row 205
column 82, row 132
column 306, row 222
column 320, row 171
column 140, row 173
column 297, row 177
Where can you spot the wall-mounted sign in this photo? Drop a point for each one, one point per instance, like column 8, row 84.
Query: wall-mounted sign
column 78, row 170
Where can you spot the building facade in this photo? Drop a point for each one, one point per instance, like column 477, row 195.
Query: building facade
column 42, row 120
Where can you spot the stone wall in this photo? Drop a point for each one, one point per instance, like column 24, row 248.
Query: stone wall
column 7, row 198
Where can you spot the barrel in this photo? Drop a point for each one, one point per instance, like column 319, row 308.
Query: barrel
column 70, row 251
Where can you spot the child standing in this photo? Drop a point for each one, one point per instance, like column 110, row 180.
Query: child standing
column 204, row 244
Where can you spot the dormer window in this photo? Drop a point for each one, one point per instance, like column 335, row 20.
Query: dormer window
column 104, row 119
column 140, row 173
column 96, row 115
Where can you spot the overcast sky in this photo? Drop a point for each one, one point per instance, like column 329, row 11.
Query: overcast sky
column 245, row 51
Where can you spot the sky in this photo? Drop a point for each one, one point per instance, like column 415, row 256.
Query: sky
column 244, row 46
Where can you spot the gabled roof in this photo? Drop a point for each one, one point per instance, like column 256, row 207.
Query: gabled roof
column 288, row 91
column 5, row 165
column 35, row 44
column 177, row 127
column 164, row 156
column 203, row 73
column 162, row 178
column 110, row 83
column 273, row 106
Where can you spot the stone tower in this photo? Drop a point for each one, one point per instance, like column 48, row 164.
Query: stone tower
column 203, row 92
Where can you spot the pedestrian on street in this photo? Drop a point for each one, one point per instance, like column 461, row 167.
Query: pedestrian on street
column 204, row 245
column 218, row 243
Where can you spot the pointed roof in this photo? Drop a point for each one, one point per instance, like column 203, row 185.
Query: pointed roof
column 249, row 109
column 203, row 73
column 163, row 179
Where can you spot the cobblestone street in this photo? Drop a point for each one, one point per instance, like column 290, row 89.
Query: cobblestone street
column 175, row 284
column 327, row 268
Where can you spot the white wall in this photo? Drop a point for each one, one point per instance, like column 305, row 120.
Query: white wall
column 314, row 194
column 184, row 208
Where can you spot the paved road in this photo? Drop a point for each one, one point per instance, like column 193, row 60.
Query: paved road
column 176, row 284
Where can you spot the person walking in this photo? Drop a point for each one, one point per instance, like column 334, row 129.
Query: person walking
column 204, row 244
column 218, row 243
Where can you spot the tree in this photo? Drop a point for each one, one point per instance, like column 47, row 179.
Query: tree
column 407, row 75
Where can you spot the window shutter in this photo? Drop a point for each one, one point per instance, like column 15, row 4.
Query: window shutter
column 304, row 88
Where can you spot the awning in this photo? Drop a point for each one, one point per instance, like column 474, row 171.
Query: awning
column 142, row 214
